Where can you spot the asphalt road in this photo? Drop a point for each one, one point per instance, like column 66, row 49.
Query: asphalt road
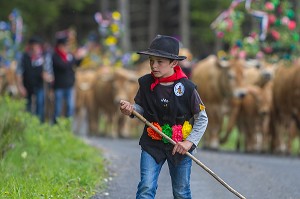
column 253, row 176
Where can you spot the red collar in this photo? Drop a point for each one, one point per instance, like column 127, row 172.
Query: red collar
column 63, row 55
column 179, row 74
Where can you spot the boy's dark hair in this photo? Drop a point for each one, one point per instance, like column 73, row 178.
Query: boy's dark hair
column 35, row 40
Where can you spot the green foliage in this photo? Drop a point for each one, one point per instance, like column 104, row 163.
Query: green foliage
column 12, row 124
column 46, row 12
column 203, row 14
column 48, row 161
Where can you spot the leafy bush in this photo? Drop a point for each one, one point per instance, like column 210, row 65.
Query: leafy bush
column 45, row 161
column 11, row 123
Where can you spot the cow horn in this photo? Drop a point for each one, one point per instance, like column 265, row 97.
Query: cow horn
column 252, row 63
column 223, row 63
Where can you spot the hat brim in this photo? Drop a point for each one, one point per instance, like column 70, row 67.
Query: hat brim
column 174, row 57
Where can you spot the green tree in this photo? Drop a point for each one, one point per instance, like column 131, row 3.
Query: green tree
column 203, row 13
column 38, row 15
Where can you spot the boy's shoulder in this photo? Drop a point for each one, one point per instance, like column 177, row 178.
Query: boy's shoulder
column 145, row 78
column 188, row 83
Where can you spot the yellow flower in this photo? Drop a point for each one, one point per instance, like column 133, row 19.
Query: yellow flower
column 109, row 41
column 221, row 54
column 116, row 15
column 135, row 57
column 118, row 64
column 114, row 28
column 186, row 129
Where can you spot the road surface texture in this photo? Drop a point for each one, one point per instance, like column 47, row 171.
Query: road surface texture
column 254, row 176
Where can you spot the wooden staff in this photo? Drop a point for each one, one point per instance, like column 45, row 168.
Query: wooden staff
column 140, row 117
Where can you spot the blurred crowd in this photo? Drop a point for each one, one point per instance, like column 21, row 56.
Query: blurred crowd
column 42, row 71
column 45, row 75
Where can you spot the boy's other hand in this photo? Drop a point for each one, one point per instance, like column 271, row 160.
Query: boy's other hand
column 182, row 147
column 125, row 107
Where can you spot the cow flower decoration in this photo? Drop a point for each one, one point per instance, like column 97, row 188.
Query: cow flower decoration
column 274, row 34
column 110, row 28
column 177, row 133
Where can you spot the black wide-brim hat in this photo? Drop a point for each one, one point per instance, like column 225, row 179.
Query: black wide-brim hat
column 164, row 46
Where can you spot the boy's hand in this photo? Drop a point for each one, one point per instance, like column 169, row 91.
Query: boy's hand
column 125, row 107
column 182, row 147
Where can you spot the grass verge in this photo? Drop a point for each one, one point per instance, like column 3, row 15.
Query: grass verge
column 43, row 161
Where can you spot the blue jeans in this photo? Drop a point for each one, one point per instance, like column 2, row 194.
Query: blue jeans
column 63, row 95
column 180, row 177
column 39, row 103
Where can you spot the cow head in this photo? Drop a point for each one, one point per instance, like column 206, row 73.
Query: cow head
column 125, row 85
column 231, row 78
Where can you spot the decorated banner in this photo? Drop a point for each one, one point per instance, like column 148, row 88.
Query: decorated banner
column 110, row 30
column 277, row 35
column 227, row 24
column 11, row 33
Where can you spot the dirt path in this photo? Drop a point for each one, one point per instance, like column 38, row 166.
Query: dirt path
column 254, row 176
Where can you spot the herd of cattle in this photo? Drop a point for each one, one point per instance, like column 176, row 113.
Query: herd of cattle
column 258, row 98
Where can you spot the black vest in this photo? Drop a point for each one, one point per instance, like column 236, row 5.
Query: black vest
column 32, row 76
column 178, row 111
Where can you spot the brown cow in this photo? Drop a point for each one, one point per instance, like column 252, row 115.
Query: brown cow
column 104, row 100
column 217, row 84
column 85, row 102
column 251, row 113
column 285, row 116
column 9, row 80
column 112, row 85
column 125, row 87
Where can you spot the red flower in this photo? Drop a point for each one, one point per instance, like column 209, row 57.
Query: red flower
column 152, row 133
column 177, row 133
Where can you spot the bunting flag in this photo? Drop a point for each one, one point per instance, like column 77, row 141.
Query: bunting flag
column 262, row 16
column 225, row 14
column 16, row 26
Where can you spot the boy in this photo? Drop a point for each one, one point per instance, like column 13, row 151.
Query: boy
column 171, row 102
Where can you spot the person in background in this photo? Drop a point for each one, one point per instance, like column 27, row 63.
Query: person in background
column 63, row 63
column 31, row 74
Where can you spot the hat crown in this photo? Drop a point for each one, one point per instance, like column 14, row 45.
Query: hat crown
column 165, row 44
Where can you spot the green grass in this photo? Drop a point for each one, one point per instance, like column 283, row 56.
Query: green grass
column 43, row 161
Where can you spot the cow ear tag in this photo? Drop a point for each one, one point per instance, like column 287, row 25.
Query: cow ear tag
column 179, row 89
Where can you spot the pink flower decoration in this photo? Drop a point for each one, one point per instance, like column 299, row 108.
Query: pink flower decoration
column 220, row 34
column 260, row 55
column 269, row 6
column 285, row 20
column 272, row 19
column 229, row 25
column 177, row 133
column 268, row 49
column 275, row 34
column 242, row 54
column 292, row 25
column 253, row 35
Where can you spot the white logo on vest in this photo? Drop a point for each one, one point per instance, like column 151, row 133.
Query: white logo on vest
column 179, row 89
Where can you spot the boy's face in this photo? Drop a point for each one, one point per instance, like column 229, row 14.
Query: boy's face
column 162, row 67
